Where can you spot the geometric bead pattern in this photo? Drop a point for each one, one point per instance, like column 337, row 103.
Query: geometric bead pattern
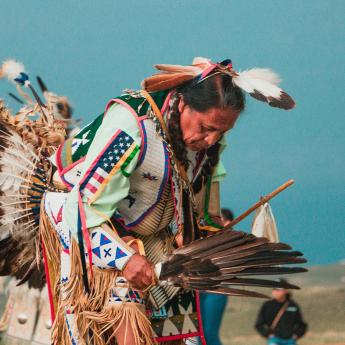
column 122, row 293
column 107, row 252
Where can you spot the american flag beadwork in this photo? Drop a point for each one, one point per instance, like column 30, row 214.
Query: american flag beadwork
column 116, row 155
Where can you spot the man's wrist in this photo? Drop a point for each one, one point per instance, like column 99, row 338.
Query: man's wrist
column 125, row 261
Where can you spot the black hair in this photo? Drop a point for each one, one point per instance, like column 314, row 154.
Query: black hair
column 227, row 214
column 216, row 91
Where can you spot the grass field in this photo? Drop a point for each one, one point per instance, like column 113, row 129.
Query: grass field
column 322, row 299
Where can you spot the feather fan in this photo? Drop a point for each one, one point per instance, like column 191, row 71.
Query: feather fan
column 224, row 261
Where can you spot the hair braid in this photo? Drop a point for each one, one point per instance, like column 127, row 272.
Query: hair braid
column 180, row 150
column 175, row 132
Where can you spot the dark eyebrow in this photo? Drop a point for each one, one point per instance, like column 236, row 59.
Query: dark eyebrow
column 214, row 128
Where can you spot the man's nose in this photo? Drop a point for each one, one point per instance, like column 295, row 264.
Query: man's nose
column 211, row 139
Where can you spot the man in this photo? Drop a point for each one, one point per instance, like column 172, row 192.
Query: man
column 128, row 189
column 280, row 319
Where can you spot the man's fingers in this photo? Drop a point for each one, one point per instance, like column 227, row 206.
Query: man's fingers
column 139, row 272
column 146, row 281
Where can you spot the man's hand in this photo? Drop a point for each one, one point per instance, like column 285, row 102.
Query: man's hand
column 139, row 272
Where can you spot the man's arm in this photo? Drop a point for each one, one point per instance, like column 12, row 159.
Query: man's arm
column 109, row 162
column 261, row 325
column 300, row 326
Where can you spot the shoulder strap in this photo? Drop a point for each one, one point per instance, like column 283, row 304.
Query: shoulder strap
column 279, row 315
column 159, row 116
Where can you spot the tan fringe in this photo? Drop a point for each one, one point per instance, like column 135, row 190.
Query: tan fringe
column 60, row 334
column 91, row 311
column 114, row 316
column 5, row 318
column 53, row 248
column 50, row 239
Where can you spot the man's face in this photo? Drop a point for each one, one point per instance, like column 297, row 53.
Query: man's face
column 279, row 294
column 202, row 130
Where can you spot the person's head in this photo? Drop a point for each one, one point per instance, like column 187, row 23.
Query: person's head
column 226, row 215
column 280, row 294
column 208, row 109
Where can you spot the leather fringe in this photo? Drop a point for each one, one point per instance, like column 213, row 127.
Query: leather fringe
column 95, row 317
column 114, row 316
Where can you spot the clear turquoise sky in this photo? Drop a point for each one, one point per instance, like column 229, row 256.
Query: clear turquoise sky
column 91, row 50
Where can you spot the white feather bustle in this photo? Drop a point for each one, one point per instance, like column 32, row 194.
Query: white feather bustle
column 12, row 69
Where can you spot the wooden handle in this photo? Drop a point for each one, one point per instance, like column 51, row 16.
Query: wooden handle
column 262, row 201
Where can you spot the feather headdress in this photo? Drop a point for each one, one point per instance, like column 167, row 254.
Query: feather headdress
column 260, row 83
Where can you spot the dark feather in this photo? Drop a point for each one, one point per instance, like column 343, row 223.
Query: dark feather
column 16, row 98
column 283, row 102
column 41, row 84
column 228, row 259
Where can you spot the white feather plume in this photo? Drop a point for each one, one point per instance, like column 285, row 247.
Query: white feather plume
column 262, row 84
column 262, row 74
column 250, row 84
column 12, row 69
column 262, row 80
column 200, row 60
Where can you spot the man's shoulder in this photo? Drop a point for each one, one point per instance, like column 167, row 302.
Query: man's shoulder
column 293, row 305
column 269, row 303
column 138, row 102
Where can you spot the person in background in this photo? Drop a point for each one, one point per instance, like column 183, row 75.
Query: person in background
column 280, row 319
column 213, row 305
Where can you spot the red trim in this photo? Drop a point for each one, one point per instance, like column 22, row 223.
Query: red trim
column 208, row 70
column 85, row 231
column 49, row 288
column 200, row 333
column 98, row 157
column 71, row 166
column 201, row 329
column 178, row 336
column 58, row 157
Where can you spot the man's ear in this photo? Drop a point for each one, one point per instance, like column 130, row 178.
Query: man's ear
column 181, row 105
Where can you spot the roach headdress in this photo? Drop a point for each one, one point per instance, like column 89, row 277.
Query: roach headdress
column 260, row 83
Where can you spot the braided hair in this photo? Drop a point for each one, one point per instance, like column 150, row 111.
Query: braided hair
column 216, row 91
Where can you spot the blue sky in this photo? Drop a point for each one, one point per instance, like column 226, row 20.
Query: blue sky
column 91, row 50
